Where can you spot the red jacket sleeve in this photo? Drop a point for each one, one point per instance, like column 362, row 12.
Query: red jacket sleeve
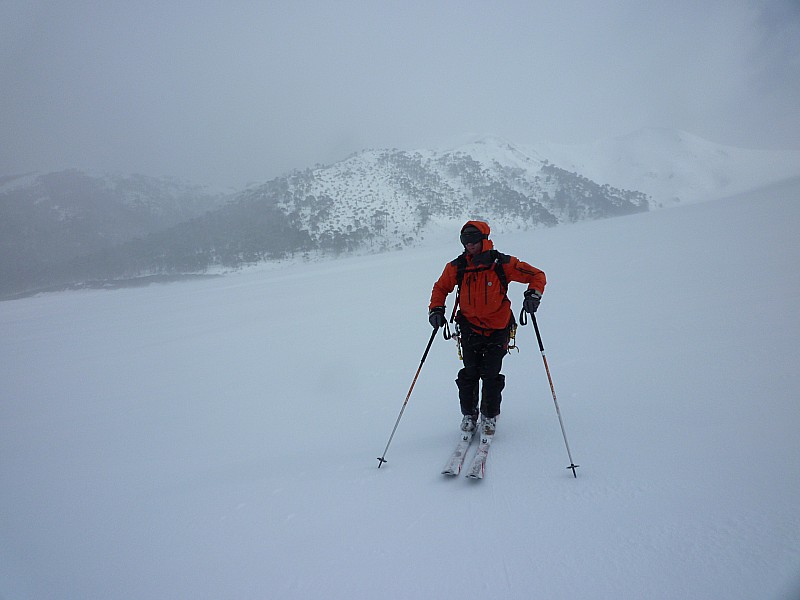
column 443, row 286
column 522, row 272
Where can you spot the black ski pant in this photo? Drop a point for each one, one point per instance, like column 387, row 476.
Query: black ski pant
column 483, row 359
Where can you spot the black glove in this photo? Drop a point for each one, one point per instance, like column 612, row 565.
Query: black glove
column 436, row 317
column 531, row 302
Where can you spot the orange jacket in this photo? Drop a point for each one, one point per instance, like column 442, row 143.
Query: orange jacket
column 482, row 299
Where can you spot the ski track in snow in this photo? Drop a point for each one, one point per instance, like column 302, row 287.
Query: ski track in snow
column 217, row 438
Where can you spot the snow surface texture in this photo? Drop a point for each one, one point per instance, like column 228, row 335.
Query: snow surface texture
column 218, row 438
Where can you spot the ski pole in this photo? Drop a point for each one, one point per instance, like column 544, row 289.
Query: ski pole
column 523, row 320
column 382, row 459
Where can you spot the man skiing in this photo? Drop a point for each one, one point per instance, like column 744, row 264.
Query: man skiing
column 484, row 318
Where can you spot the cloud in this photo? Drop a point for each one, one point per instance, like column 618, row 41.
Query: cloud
column 230, row 92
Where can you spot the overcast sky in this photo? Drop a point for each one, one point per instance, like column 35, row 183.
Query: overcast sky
column 229, row 92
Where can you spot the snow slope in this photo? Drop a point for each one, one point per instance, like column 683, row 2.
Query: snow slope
column 218, row 438
column 674, row 167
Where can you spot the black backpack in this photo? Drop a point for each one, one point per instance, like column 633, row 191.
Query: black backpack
column 498, row 260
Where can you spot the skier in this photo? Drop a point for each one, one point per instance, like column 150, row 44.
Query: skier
column 484, row 319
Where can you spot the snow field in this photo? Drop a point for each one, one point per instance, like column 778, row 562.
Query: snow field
column 218, row 438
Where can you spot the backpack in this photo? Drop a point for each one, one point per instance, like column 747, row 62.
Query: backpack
column 498, row 260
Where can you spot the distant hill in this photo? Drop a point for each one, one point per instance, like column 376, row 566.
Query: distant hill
column 675, row 167
column 50, row 219
column 69, row 227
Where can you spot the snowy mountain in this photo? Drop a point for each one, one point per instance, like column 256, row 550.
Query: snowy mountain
column 372, row 201
column 389, row 198
column 70, row 228
column 675, row 167
column 217, row 439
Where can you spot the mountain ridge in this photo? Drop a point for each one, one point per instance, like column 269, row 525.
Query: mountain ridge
column 675, row 167
column 374, row 200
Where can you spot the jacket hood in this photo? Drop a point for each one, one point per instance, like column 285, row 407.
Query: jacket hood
column 481, row 226
column 484, row 228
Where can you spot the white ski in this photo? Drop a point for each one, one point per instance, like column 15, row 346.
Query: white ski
column 478, row 467
column 456, row 460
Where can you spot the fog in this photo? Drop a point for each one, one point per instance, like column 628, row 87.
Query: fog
column 226, row 93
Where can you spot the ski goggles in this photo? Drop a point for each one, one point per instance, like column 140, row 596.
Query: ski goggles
column 471, row 237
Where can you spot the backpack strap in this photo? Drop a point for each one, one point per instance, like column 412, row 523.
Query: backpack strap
column 460, row 263
column 498, row 260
